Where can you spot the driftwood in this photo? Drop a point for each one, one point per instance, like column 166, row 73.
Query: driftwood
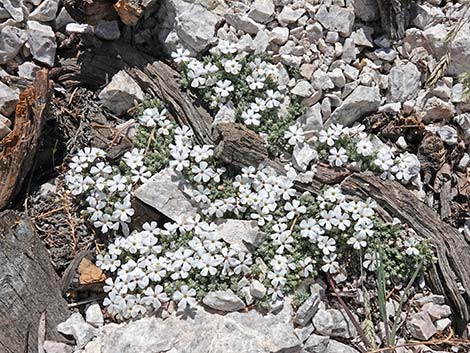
column 18, row 149
column 452, row 250
column 28, row 287
column 394, row 16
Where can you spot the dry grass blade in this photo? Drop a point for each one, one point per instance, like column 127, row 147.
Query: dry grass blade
column 439, row 71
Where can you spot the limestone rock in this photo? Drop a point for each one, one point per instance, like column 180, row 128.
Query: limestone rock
column 307, row 310
column 257, row 289
column 164, row 193
column 45, row 12
column 323, row 322
column 338, row 347
column 223, row 301
column 4, row 129
column 302, row 155
column 404, row 82
column 437, row 311
column 262, row 10
column 57, row 347
column 226, row 114
column 243, row 23
column 436, row 109
column 302, row 89
column 16, row 9
column 361, row 101
column 121, row 93
column 94, row 316
column 240, row 233
column 312, row 122
column 443, row 324
column 421, row 327
column 279, row 35
column 336, row 18
column 448, row 134
column 42, row 42
column 366, row 10
column 261, row 42
column 8, row 99
column 342, row 325
column 77, row 327
column 28, row 70
column 317, row 344
column 289, row 15
column 108, row 30
column 12, row 39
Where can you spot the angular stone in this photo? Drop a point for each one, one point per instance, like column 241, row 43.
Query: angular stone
column 279, row 35
column 338, row 78
column 57, row 347
column 404, row 82
column 436, row 109
column 342, row 325
column 12, row 39
column 257, row 289
column 94, row 315
column 317, row 344
column 45, row 12
column 362, row 37
column 366, row 10
column 164, row 193
column 16, row 9
column 337, row 19
column 302, row 155
column 437, row 311
column 8, row 99
column 28, row 70
column 323, row 322
column 226, row 114
column 41, row 39
column 303, row 333
column 4, row 130
column 338, row 347
column 63, row 19
column 240, row 233
column 302, row 89
column 79, row 28
column 121, row 93
column 243, row 23
column 443, row 324
column 307, row 310
column 312, row 122
column 349, row 50
column 288, row 15
column 223, row 301
column 432, row 298
column 77, row 327
column 261, row 42
column 421, row 327
column 321, row 80
column 262, row 10
column 448, row 134
column 361, row 101
column 108, row 30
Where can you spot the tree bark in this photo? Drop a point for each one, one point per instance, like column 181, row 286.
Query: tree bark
column 394, row 16
column 18, row 149
column 28, row 287
column 453, row 261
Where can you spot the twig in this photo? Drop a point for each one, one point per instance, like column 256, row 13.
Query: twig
column 294, row 222
column 47, row 214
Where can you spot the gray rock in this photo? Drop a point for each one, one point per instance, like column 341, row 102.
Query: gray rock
column 349, row 50
column 42, row 42
column 243, row 23
column 12, row 39
column 261, row 42
column 303, row 155
column 108, row 30
column 336, row 18
column 404, row 82
column 94, row 316
column 421, row 327
column 303, row 333
column 322, row 81
column 302, row 89
column 363, row 37
column 448, row 134
column 240, row 233
column 4, row 129
column 307, row 310
column 426, row 15
column 8, row 99
column 226, row 114
column 312, row 122
column 57, row 347
column 257, row 289
column 317, row 344
column 45, row 12
column 366, row 10
column 63, row 19
column 164, row 193
column 443, row 324
column 436, row 109
column 342, row 325
column 121, row 93
column 386, row 54
column 463, row 120
column 16, row 9
column 437, row 311
column 230, row 333
column 361, row 101
column 323, row 322
column 279, row 35
column 77, row 327
column 262, row 10
column 337, row 77
column 223, row 301
column 338, row 347
column 464, row 162
column 288, row 15
column 28, row 70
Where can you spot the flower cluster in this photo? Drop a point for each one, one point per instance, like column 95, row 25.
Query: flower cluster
column 154, row 265
column 340, row 146
column 242, row 87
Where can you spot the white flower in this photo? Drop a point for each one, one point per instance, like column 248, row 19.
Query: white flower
column 117, row 183
column 180, row 160
column 294, row 135
column 365, row 148
column 226, row 47
column 255, row 81
column 197, row 78
column 180, row 55
column 250, row 117
column 357, row 241
column 411, row 246
column 326, row 244
column 306, row 266
column 185, row 297
column 232, row 67
column 101, row 168
column 123, row 210
column 310, row 229
column 140, row 175
column 273, row 99
column 201, row 153
column 278, row 278
column 337, row 157
column 154, row 297
column 329, row 137
column 202, row 172
column 165, row 127
column 370, row 262
column 331, row 265
column 294, row 208
column 224, row 88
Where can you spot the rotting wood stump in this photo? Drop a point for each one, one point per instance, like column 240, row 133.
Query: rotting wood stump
column 28, row 287
column 18, row 149
column 452, row 250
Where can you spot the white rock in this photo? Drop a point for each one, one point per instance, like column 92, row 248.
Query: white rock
column 279, row 35
column 362, row 37
column 164, row 192
column 385, row 54
column 443, row 324
column 337, row 77
column 94, row 316
column 261, row 42
column 436, row 109
column 349, row 50
column 366, row 10
column 16, row 9
column 303, row 155
column 463, row 163
column 338, row 347
column 8, row 99
column 289, row 15
column 257, row 289
column 390, row 108
column 79, row 28
column 426, row 15
column 321, row 80
column 108, row 30
column 302, row 89
column 317, row 344
column 93, row 346
column 121, row 93
column 12, row 39
column 42, row 42
column 307, row 310
column 223, row 301
column 448, row 134
column 243, row 23
column 63, row 19
column 432, row 298
column 342, row 325
column 226, row 114
column 57, row 347
column 28, row 70
column 336, row 18
column 437, row 311
column 77, row 327
column 240, row 233
column 45, row 12
column 421, row 327
column 4, row 129
column 323, row 322
column 404, row 82
column 262, row 10
column 361, row 101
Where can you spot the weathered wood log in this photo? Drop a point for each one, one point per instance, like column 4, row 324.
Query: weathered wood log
column 28, row 287
column 90, row 11
column 453, row 261
column 18, row 149
column 394, row 16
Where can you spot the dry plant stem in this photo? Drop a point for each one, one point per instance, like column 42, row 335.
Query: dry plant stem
column 348, row 312
column 294, row 222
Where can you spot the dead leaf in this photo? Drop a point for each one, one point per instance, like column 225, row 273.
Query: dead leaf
column 90, row 273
